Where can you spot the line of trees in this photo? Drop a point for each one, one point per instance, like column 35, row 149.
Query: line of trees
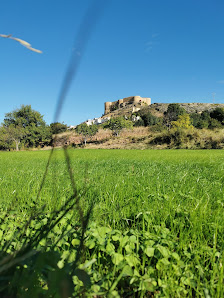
column 177, row 117
column 25, row 127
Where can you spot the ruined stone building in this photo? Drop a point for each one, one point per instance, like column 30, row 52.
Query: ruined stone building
column 134, row 100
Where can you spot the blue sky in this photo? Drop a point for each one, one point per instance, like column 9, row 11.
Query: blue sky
column 171, row 51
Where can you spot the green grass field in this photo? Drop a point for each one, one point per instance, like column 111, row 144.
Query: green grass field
column 156, row 227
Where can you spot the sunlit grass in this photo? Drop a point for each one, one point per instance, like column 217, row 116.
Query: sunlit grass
column 178, row 190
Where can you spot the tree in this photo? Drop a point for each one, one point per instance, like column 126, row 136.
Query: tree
column 117, row 124
column 149, row 119
column 24, row 116
column 183, row 121
column 173, row 111
column 27, row 125
column 139, row 122
column 214, row 123
column 58, row 127
column 15, row 134
column 4, row 142
column 195, row 119
column 218, row 114
column 86, row 131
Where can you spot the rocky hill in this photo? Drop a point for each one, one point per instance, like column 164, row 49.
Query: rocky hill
column 194, row 107
column 158, row 109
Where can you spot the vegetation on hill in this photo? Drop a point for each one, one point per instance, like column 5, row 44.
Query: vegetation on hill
column 117, row 124
column 174, row 128
column 58, row 127
column 86, row 131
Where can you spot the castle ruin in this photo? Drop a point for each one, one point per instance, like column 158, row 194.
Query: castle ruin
column 135, row 100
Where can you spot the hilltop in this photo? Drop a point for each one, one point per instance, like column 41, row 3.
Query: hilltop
column 158, row 109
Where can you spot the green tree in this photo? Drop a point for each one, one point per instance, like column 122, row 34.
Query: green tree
column 4, row 142
column 58, row 127
column 173, row 111
column 86, row 131
column 183, row 121
column 139, row 122
column 14, row 134
column 27, row 125
column 117, row 124
column 195, row 119
column 205, row 115
column 149, row 119
column 218, row 114
column 214, row 123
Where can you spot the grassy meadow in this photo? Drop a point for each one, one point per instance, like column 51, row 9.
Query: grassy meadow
column 156, row 226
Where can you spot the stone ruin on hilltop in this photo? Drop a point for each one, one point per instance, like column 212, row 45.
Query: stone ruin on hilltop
column 132, row 100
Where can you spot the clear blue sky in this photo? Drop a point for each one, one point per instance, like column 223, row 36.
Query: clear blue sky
column 171, row 51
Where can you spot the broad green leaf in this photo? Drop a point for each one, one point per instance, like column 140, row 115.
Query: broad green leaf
column 110, row 248
column 128, row 248
column 133, row 239
column 123, row 241
column 116, row 237
column 164, row 251
column 103, row 231
column 127, row 270
column 149, row 243
column 175, row 256
column 75, row 242
column 164, row 261
column 149, row 251
column 60, row 264
column 132, row 260
column 90, row 244
column 117, row 258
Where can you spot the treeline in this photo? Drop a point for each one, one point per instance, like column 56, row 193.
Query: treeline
column 177, row 117
column 25, row 128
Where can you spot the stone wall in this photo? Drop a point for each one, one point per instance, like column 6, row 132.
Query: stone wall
column 111, row 106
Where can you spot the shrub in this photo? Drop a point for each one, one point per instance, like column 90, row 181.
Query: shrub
column 138, row 123
column 173, row 111
column 86, row 131
column 218, row 114
column 58, row 127
column 149, row 119
column 117, row 124
column 195, row 119
column 183, row 121
column 175, row 137
column 214, row 123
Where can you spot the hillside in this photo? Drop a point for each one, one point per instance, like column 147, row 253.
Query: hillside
column 147, row 138
column 198, row 130
column 158, row 109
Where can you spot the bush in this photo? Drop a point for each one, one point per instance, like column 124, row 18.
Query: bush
column 214, row 123
column 58, row 127
column 173, row 111
column 86, row 131
column 195, row 119
column 117, row 124
column 175, row 137
column 138, row 123
column 183, row 121
column 218, row 114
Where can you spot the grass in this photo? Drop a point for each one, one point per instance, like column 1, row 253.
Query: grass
column 161, row 212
